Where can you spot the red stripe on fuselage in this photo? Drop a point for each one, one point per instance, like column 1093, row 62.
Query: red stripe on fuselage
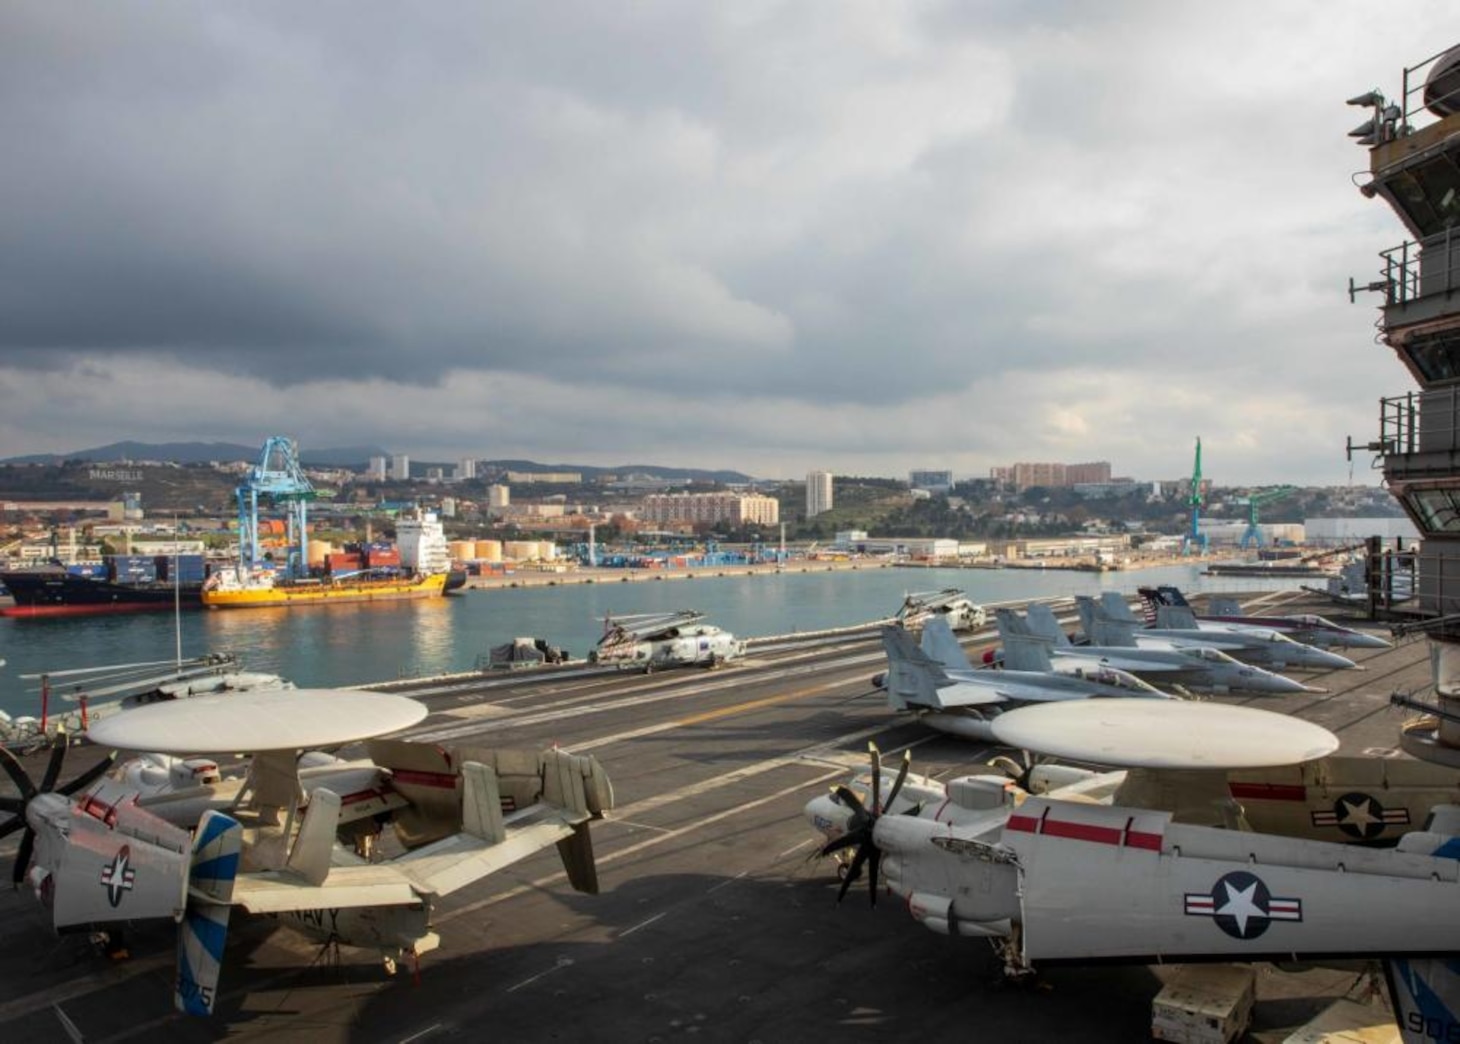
column 1269, row 791
column 445, row 780
column 1100, row 835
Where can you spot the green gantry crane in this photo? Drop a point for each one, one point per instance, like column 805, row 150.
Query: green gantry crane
column 1252, row 535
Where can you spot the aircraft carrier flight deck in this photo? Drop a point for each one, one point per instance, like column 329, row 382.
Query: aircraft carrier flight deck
column 715, row 920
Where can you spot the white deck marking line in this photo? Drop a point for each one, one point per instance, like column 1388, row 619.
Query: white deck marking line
column 435, row 732
column 417, row 1036
column 796, row 848
column 652, row 802
column 556, row 878
column 726, row 883
column 563, row 962
column 642, row 924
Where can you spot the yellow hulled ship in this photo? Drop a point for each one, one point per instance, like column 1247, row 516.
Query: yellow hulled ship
column 230, row 590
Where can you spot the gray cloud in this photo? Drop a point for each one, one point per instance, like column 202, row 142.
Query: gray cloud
column 769, row 235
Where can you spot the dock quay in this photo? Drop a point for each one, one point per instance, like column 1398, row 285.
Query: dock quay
column 714, row 921
column 550, row 576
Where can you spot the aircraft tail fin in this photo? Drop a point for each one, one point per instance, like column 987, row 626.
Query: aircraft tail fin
column 912, row 675
column 1114, row 605
column 576, row 853
column 938, row 642
column 1170, row 594
column 1042, row 623
column 1424, row 994
column 310, row 856
column 1025, row 652
column 1010, row 622
column 204, row 928
column 1179, row 617
column 1100, row 629
column 1224, row 607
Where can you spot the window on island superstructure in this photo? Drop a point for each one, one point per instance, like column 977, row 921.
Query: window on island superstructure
column 1435, row 510
column 1436, row 356
column 1429, row 194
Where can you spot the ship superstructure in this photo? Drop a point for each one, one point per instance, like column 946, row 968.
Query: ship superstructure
column 1414, row 166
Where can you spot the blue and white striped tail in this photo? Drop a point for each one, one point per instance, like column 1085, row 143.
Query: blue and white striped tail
column 204, row 928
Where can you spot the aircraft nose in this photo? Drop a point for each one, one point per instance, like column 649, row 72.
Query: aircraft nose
column 1332, row 660
column 1282, row 683
column 1360, row 640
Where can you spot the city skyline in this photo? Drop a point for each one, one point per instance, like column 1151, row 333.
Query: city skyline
column 852, row 236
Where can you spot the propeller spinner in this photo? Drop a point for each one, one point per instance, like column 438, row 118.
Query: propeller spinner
column 17, row 806
column 864, row 819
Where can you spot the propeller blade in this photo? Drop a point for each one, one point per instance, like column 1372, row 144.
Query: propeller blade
column 22, row 858
column 873, row 863
column 13, row 805
column 854, row 872
column 845, row 841
column 90, row 776
column 848, row 798
column 876, row 776
column 53, row 766
column 901, row 777
column 16, row 771
column 15, row 823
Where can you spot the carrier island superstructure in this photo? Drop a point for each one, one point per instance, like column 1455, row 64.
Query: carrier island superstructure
column 1414, row 166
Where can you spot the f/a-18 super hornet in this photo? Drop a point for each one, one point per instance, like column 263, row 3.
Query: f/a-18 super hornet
column 964, row 702
column 1036, row 642
column 1308, row 628
column 1110, row 622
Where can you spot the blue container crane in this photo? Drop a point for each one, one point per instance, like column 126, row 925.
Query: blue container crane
column 278, row 477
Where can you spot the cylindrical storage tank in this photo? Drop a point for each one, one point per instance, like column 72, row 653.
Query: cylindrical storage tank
column 318, row 549
column 489, row 550
column 520, row 550
column 463, row 550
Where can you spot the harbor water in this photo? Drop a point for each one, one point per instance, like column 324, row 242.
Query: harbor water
column 357, row 644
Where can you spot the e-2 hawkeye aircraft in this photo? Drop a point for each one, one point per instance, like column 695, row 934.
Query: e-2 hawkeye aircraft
column 965, row 702
column 1035, row 642
column 1308, row 628
column 1262, row 647
column 1082, row 874
column 654, row 640
column 100, row 852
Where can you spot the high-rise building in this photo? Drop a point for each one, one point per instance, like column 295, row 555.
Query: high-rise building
column 1024, row 475
column 499, row 498
column 818, row 493
column 1095, row 471
column 466, row 468
column 712, row 508
column 378, row 468
column 400, row 467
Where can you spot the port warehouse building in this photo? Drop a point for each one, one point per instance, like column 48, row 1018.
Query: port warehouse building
column 711, row 508
column 947, row 549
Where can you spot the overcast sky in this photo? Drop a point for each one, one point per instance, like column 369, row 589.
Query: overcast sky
column 861, row 237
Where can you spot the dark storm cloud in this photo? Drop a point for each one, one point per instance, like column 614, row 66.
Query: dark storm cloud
column 801, row 231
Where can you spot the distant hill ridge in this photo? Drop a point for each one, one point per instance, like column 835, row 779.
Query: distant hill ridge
column 349, row 457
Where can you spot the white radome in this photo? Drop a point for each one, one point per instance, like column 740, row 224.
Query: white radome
column 253, row 722
column 1164, row 734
